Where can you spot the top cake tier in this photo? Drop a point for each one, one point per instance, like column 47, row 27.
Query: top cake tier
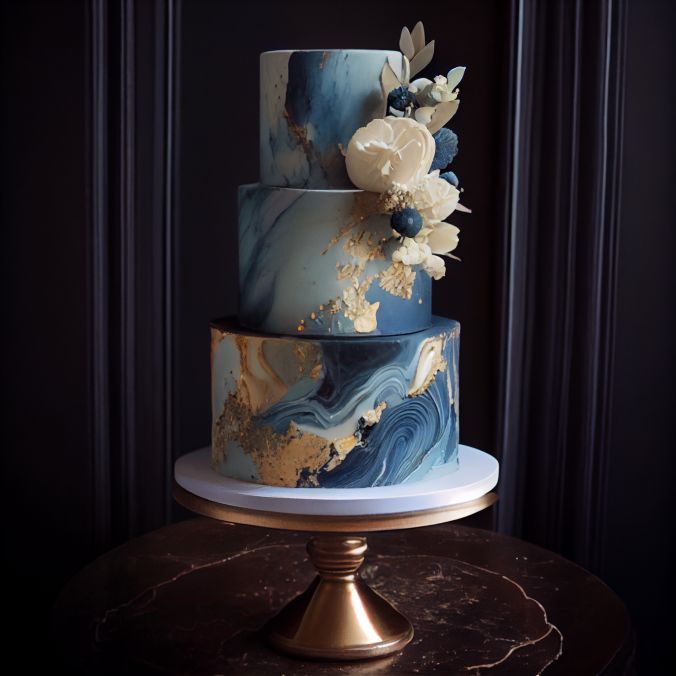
column 312, row 102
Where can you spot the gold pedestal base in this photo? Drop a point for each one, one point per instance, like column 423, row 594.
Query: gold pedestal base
column 339, row 617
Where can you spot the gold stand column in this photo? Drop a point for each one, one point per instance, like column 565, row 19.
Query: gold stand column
column 339, row 616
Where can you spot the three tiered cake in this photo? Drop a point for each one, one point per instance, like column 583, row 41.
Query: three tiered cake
column 335, row 373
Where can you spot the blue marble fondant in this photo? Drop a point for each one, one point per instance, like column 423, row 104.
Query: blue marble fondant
column 335, row 373
column 339, row 413
column 311, row 102
column 292, row 245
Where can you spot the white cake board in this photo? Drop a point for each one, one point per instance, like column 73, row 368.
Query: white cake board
column 476, row 474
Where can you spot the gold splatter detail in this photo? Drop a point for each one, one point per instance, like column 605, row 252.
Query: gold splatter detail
column 365, row 242
column 257, row 378
column 372, row 417
column 365, row 205
column 397, row 197
column 398, row 279
column 280, row 459
column 341, row 448
column 345, row 445
column 348, row 270
column 216, row 337
column 358, row 309
column 300, row 133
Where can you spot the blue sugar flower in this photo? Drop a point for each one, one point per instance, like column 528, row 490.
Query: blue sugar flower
column 407, row 222
column 446, row 149
column 450, row 177
column 400, row 99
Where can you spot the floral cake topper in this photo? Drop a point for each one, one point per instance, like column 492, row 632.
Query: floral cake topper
column 400, row 162
column 405, row 157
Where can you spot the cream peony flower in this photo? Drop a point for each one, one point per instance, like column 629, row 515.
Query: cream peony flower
column 443, row 239
column 411, row 252
column 435, row 198
column 387, row 151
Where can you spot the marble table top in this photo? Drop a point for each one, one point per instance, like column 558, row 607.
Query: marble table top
column 191, row 597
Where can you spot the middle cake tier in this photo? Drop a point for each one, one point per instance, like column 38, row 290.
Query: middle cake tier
column 334, row 412
column 318, row 262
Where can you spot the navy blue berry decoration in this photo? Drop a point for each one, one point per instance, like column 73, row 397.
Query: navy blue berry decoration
column 446, row 148
column 406, row 222
column 400, row 99
column 450, row 177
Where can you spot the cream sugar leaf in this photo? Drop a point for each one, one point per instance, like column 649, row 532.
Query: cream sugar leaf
column 418, row 36
column 435, row 267
column 412, row 45
column 435, row 117
column 406, row 43
column 454, row 76
column 422, row 59
column 443, row 238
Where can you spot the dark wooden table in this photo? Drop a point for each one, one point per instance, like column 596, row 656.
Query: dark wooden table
column 190, row 599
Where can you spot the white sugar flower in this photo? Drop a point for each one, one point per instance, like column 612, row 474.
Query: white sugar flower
column 411, row 252
column 435, row 267
column 387, row 151
column 435, row 198
column 443, row 239
column 440, row 91
column 443, row 89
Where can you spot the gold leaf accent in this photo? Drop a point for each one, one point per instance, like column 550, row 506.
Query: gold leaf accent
column 280, row 459
column 358, row 309
column 345, row 445
column 398, row 279
column 372, row 417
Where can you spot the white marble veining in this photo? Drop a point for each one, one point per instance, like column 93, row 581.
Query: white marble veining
column 311, row 102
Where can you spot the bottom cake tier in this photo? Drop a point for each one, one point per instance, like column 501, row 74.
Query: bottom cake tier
column 334, row 412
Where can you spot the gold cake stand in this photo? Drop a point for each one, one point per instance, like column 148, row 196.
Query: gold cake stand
column 338, row 617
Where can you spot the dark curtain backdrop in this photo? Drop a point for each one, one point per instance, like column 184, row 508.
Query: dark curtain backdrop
column 126, row 127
